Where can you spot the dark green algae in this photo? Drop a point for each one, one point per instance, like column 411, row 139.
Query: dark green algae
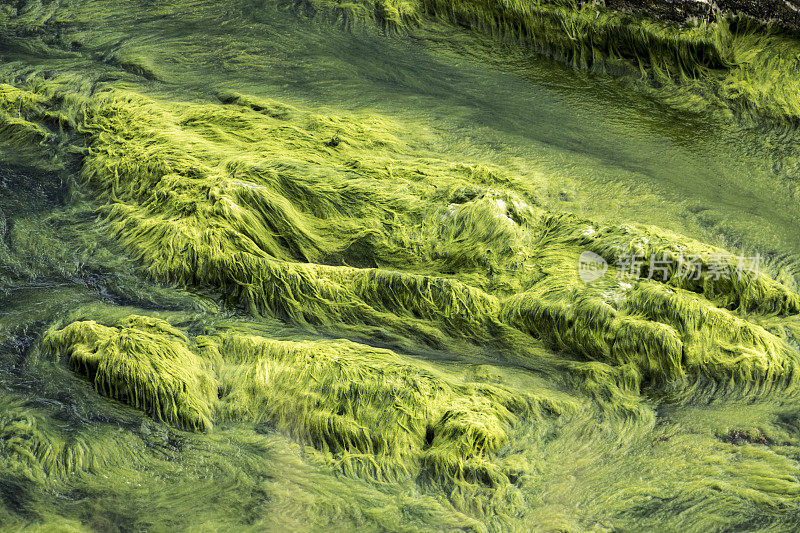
column 214, row 317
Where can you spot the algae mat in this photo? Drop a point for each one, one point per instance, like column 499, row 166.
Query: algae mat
column 402, row 266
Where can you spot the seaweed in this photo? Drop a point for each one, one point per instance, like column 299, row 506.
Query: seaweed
column 404, row 340
column 730, row 62
column 209, row 195
column 141, row 361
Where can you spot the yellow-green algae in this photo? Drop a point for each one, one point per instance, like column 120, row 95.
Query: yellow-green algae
column 732, row 63
column 403, row 343
column 145, row 362
column 236, row 203
column 255, row 202
column 372, row 413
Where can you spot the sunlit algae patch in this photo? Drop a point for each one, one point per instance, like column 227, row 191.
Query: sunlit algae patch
column 329, row 318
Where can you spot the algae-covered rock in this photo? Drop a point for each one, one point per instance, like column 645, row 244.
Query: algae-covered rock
column 376, row 414
column 144, row 362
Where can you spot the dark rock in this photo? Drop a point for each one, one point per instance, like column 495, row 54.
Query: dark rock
column 784, row 13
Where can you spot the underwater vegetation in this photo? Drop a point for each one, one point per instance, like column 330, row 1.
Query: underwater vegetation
column 730, row 63
column 237, row 294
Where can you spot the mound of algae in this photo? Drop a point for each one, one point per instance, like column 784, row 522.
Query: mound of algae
column 263, row 208
column 370, row 235
column 144, row 362
column 369, row 413
column 351, row 225
column 377, row 237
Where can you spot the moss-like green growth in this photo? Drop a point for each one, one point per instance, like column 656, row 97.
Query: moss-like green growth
column 144, row 362
column 733, row 282
column 273, row 215
column 252, row 199
column 668, row 335
column 375, row 414
column 390, row 330
column 37, row 452
column 392, row 16
column 14, row 126
column 655, row 319
column 731, row 63
column 370, row 413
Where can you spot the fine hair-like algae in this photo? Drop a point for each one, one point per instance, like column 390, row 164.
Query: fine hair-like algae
column 369, row 412
column 249, row 198
column 402, row 340
column 726, row 62
column 238, row 203
column 146, row 363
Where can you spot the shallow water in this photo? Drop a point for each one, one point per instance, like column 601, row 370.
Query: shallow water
column 603, row 148
column 722, row 183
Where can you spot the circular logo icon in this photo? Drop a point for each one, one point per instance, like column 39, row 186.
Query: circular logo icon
column 591, row 267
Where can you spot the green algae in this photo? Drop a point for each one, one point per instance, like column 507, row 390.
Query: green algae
column 379, row 416
column 234, row 205
column 254, row 202
column 202, row 215
column 362, row 265
column 734, row 64
column 144, row 362
column 369, row 412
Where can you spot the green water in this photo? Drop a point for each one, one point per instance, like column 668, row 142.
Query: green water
column 603, row 148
